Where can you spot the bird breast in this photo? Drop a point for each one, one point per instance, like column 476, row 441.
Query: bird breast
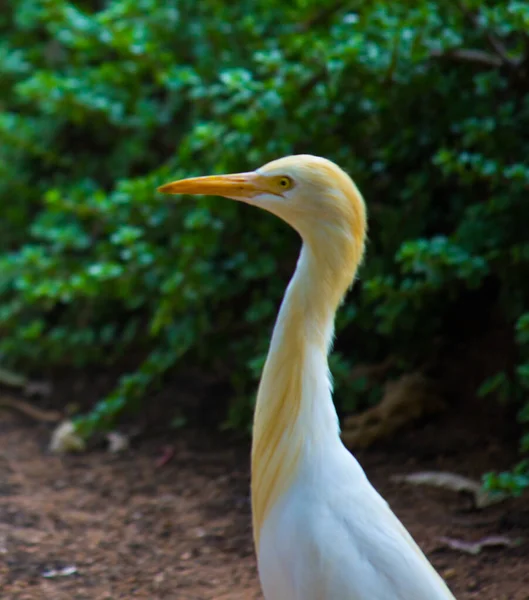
column 332, row 537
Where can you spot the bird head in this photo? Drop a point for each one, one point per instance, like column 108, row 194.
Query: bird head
column 310, row 193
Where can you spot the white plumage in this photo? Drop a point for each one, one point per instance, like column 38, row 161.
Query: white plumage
column 331, row 535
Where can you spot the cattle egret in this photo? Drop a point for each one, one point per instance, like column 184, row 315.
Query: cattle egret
column 321, row 531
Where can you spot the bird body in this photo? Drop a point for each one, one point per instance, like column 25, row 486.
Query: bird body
column 332, row 536
column 321, row 531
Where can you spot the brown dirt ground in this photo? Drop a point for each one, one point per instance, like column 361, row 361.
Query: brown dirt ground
column 181, row 531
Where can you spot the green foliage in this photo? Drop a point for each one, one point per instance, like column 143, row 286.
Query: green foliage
column 514, row 482
column 423, row 103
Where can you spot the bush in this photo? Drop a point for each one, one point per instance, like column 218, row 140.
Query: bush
column 423, row 103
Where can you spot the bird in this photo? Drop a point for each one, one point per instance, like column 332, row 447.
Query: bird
column 321, row 530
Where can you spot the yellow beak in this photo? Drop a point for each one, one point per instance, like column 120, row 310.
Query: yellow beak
column 240, row 186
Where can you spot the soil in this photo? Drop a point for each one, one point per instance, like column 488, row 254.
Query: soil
column 127, row 526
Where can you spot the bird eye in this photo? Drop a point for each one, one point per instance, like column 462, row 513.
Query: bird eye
column 285, row 183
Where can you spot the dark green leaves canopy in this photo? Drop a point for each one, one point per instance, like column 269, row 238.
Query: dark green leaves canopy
column 426, row 104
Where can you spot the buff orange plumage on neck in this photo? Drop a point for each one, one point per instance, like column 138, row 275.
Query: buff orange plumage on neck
column 321, row 531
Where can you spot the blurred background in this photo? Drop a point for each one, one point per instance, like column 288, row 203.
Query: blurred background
column 133, row 306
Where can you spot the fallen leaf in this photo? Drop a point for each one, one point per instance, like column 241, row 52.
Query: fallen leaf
column 117, row 442
column 30, row 388
column 449, row 573
column 65, row 439
column 38, row 388
column 475, row 548
column 410, row 397
column 64, row 572
column 455, row 483
column 29, row 410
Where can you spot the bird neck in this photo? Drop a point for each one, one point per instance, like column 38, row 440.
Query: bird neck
column 294, row 414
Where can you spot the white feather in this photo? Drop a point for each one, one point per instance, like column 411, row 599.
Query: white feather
column 331, row 536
